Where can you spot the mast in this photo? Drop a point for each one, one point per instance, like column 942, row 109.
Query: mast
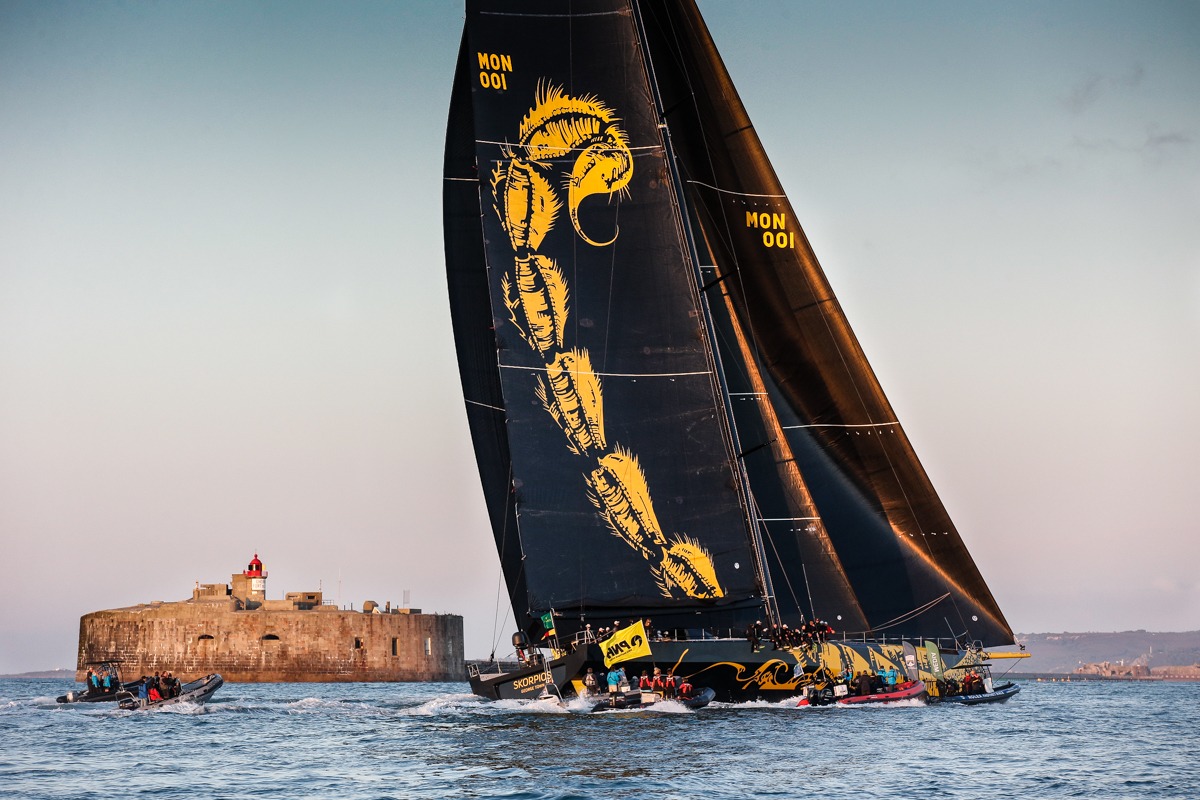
column 720, row 384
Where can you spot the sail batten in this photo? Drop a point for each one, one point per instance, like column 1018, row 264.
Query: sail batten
column 736, row 192
column 600, row 373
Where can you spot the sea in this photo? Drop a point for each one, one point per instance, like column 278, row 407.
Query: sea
column 376, row 741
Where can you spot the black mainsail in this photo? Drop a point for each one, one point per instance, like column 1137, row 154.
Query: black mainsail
column 670, row 413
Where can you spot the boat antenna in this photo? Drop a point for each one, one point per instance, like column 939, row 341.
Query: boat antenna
column 548, row 684
column 953, row 635
column 773, row 613
column 811, row 608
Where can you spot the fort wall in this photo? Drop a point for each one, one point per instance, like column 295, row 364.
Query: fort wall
column 274, row 642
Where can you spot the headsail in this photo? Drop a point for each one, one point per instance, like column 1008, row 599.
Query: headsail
column 897, row 545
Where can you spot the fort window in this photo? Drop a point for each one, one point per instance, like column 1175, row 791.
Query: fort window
column 204, row 637
column 270, row 637
column 428, row 646
column 358, row 643
column 395, row 646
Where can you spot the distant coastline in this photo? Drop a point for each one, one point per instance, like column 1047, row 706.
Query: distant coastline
column 65, row 674
column 1121, row 655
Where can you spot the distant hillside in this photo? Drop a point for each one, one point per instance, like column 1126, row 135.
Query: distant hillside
column 65, row 674
column 1063, row 652
column 1051, row 652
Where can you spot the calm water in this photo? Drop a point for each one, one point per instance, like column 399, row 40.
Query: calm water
column 372, row 741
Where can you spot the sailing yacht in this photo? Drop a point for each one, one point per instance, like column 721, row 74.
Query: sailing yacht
column 672, row 419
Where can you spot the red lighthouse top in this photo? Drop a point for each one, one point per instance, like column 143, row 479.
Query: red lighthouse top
column 254, row 570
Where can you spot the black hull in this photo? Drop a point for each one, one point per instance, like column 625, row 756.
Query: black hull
column 738, row 673
column 730, row 667
column 530, row 682
column 197, row 692
column 632, row 701
column 89, row 696
column 998, row 695
column 912, row 690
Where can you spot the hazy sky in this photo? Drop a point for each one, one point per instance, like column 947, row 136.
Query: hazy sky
column 224, row 324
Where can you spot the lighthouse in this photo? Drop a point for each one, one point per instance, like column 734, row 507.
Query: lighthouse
column 250, row 586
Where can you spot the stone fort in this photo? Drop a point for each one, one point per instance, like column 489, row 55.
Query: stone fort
column 235, row 630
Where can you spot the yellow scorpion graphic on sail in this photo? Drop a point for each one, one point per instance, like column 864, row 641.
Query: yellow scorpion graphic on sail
column 537, row 298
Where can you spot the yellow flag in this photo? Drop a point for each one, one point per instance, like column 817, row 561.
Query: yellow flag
column 629, row 642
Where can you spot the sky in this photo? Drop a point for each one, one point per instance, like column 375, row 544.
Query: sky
column 224, row 325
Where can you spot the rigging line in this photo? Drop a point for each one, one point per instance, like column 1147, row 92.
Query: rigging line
column 891, row 623
column 811, row 605
column 512, row 592
column 786, row 578
column 508, row 498
column 611, row 374
column 483, row 405
column 496, row 625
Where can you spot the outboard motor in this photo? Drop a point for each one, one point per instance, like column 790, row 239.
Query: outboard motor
column 521, row 643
